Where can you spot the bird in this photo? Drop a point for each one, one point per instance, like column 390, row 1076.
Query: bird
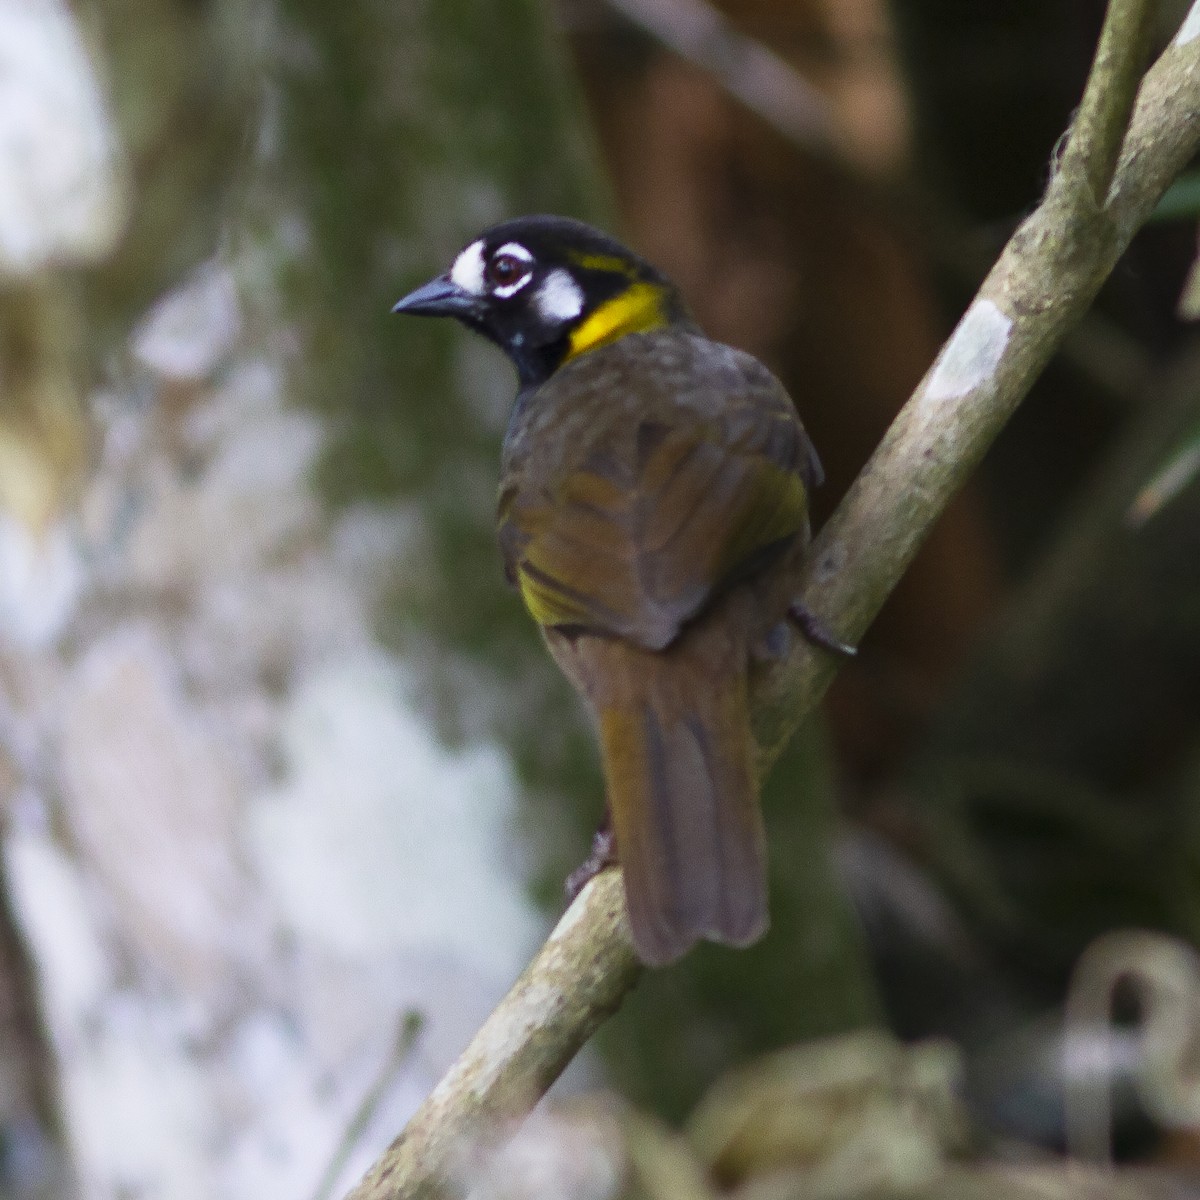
column 652, row 512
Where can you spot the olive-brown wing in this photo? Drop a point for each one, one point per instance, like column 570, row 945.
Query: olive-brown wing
column 654, row 520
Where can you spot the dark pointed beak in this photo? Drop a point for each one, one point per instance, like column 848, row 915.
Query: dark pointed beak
column 438, row 298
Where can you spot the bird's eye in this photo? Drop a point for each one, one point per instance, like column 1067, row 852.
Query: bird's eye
column 504, row 270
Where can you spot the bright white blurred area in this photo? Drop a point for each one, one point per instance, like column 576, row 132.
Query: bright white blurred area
column 239, row 857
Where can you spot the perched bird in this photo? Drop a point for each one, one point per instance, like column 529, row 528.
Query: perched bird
column 652, row 509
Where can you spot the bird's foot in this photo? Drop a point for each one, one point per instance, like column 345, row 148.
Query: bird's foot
column 817, row 632
column 604, row 854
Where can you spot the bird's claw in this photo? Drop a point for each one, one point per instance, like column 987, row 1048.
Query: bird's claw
column 817, row 632
column 603, row 855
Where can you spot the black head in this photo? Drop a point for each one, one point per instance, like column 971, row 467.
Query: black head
column 546, row 289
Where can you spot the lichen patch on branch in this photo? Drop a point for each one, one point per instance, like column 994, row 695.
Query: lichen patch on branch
column 972, row 355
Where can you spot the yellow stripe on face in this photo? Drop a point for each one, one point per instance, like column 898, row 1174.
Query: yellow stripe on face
column 608, row 263
column 639, row 307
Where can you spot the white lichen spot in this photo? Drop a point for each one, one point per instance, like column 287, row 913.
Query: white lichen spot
column 1190, row 29
column 972, row 354
column 467, row 272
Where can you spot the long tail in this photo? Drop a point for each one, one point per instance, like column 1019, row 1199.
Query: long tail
column 679, row 764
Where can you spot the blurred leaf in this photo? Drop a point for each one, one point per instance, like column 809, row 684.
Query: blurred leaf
column 1188, row 307
column 43, row 433
column 845, row 1117
column 1181, row 200
column 1178, row 469
column 662, row 1165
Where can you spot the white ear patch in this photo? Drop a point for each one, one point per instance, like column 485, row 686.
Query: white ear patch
column 467, row 272
column 559, row 298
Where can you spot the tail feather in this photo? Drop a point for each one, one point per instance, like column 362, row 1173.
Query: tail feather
column 679, row 766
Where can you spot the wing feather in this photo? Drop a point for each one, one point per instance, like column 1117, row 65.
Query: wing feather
column 659, row 513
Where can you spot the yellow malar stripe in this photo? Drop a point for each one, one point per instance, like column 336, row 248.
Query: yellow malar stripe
column 639, row 307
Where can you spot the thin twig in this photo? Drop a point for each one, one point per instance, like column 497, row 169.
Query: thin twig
column 1090, row 156
column 405, row 1041
column 1044, row 281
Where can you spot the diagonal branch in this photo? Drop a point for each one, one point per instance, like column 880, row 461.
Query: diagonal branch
column 1043, row 282
column 575, row 982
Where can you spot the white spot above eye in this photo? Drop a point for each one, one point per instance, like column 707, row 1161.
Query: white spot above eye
column 514, row 250
column 559, row 298
column 467, row 272
column 517, row 251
